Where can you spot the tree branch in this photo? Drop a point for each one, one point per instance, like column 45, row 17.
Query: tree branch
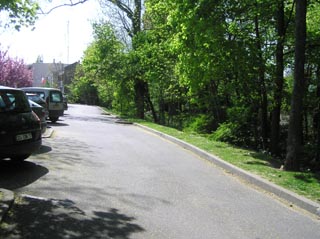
column 70, row 4
column 123, row 7
column 125, row 24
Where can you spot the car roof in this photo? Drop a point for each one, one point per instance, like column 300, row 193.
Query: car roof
column 2, row 87
column 38, row 88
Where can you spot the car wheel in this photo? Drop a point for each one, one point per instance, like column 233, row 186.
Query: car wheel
column 20, row 158
column 54, row 119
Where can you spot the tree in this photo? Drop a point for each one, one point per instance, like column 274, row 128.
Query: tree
column 279, row 80
column 20, row 13
column 83, row 88
column 14, row 72
column 105, row 74
column 294, row 142
column 313, row 93
column 133, row 11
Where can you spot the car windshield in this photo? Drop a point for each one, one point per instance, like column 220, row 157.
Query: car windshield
column 56, row 96
column 36, row 94
column 33, row 97
column 13, row 101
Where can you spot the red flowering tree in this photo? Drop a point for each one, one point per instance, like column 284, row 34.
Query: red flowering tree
column 14, row 72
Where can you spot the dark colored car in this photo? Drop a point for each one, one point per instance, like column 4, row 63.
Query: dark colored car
column 37, row 99
column 41, row 113
column 20, row 129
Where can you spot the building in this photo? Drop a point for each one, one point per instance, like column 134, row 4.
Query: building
column 54, row 75
column 68, row 75
column 41, row 74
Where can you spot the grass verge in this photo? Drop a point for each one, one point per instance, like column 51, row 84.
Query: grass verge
column 306, row 184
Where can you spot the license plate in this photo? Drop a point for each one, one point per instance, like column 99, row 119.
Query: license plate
column 55, row 107
column 22, row 137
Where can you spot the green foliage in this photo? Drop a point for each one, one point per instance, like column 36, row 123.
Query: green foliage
column 82, row 89
column 239, row 129
column 226, row 133
column 20, row 12
column 106, row 71
column 201, row 124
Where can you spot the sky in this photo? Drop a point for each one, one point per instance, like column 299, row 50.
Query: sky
column 60, row 36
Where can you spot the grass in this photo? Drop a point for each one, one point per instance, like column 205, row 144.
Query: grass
column 306, row 184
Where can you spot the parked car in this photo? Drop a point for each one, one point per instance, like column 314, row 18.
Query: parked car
column 37, row 99
column 41, row 113
column 20, row 128
column 53, row 98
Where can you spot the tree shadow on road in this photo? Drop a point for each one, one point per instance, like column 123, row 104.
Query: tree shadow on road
column 17, row 175
column 54, row 219
column 43, row 149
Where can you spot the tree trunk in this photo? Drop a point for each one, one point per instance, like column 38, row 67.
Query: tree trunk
column 292, row 161
column 139, row 89
column 140, row 85
column 136, row 21
column 316, row 123
column 150, row 104
column 263, row 91
column 278, row 91
column 317, row 159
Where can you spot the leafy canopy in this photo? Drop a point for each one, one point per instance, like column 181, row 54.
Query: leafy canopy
column 19, row 12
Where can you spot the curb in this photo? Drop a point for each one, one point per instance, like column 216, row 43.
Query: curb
column 282, row 193
column 48, row 133
column 6, row 200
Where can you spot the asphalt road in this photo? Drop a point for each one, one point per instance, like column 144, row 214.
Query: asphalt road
column 95, row 178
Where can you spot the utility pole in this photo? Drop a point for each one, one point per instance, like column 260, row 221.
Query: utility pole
column 68, row 42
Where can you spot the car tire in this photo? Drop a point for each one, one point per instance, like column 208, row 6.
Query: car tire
column 20, row 158
column 53, row 119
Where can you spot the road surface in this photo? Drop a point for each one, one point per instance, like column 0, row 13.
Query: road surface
column 95, row 178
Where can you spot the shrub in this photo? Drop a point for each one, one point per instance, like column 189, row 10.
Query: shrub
column 226, row 132
column 202, row 124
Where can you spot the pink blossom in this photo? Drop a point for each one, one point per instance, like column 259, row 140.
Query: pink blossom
column 14, row 72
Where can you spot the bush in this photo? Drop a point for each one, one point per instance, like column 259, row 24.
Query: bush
column 226, row 132
column 202, row 124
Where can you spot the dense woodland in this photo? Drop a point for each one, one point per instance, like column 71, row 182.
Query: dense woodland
column 244, row 72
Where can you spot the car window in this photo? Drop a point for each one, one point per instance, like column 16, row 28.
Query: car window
column 40, row 94
column 13, row 101
column 34, row 97
column 55, row 96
